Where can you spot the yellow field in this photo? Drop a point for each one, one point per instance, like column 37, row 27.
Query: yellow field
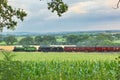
column 8, row 48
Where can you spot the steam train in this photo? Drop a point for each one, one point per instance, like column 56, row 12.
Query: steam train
column 67, row 49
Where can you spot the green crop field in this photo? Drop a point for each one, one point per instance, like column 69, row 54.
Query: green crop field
column 60, row 66
column 116, row 41
column 63, row 56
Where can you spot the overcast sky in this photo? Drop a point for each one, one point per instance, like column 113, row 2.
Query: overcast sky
column 83, row 15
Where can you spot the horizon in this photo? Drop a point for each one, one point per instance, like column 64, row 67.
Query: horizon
column 62, row 32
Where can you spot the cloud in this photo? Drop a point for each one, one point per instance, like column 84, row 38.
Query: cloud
column 74, row 8
column 112, row 3
column 110, row 26
column 87, row 7
column 78, row 8
column 82, row 15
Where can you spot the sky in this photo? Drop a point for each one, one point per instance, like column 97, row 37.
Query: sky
column 82, row 15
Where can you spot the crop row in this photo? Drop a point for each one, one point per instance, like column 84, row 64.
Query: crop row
column 55, row 70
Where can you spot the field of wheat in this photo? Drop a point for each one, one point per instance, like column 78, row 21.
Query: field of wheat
column 8, row 48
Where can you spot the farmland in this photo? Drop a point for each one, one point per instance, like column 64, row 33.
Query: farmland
column 60, row 66
column 42, row 56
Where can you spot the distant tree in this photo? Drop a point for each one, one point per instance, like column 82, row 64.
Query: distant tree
column 83, row 40
column 72, row 39
column 83, row 37
column 104, row 36
column 26, row 41
column 38, row 40
column 101, row 39
column 91, row 41
column 48, row 39
column 106, row 43
column 9, row 40
column 1, row 38
column 45, row 40
column 60, row 40
column 117, row 36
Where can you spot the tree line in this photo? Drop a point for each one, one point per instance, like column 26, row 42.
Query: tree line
column 101, row 39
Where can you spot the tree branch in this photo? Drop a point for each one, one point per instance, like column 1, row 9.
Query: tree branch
column 117, row 4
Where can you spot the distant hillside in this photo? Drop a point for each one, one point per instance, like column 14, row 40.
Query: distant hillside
column 57, row 33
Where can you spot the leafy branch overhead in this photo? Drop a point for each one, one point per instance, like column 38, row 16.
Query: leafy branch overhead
column 9, row 15
column 118, row 3
column 57, row 5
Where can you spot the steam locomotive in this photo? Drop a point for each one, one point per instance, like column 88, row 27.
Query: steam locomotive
column 69, row 48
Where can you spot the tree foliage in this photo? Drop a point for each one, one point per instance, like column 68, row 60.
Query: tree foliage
column 9, row 15
column 38, row 40
column 71, row 39
column 26, row 41
column 1, row 38
column 9, row 40
column 48, row 40
column 57, row 5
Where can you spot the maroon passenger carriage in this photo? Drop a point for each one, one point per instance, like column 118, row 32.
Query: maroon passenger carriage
column 107, row 49
column 79, row 49
column 92, row 49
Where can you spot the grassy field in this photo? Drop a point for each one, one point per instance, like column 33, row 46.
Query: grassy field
column 63, row 56
column 116, row 41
